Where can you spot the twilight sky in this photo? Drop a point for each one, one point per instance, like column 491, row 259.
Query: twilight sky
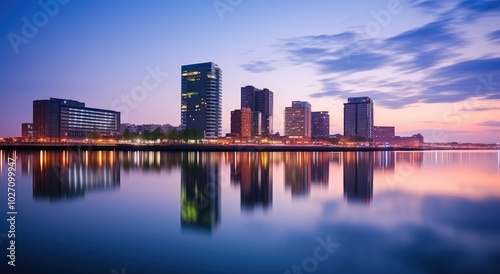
column 430, row 66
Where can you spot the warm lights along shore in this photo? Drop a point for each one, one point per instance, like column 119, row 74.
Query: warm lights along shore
column 231, row 148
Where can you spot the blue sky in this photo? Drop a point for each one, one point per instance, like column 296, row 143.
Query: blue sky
column 430, row 66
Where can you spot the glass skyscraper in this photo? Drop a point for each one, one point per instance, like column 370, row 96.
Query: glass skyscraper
column 358, row 117
column 201, row 98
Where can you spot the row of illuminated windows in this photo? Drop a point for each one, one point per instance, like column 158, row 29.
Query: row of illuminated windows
column 80, row 121
column 76, row 110
column 85, row 116
column 66, row 122
column 68, row 127
column 90, row 115
column 88, row 124
column 89, row 120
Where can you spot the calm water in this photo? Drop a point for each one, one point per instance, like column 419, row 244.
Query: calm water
column 255, row 212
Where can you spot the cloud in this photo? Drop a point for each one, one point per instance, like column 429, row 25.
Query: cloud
column 258, row 66
column 474, row 109
column 318, row 40
column 490, row 124
column 390, row 100
column 424, row 60
column 354, row 63
column 463, row 80
column 475, row 6
column 494, row 37
column 429, row 5
column 431, row 36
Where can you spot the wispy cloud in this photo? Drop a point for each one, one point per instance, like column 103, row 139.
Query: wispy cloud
column 494, row 36
column 427, row 62
column 490, row 124
column 477, row 109
column 259, row 66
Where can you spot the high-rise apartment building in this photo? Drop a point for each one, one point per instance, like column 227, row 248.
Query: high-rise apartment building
column 298, row 120
column 201, row 98
column 358, row 117
column 320, row 125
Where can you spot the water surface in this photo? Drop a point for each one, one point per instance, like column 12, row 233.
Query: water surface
column 255, row 212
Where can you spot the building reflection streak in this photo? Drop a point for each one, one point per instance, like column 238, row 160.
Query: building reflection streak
column 64, row 175
column 358, row 176
column 253, row 172
column 200, row 191
column 320, row 168
column 298, row 172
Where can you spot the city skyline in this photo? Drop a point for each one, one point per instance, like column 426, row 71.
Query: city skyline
column 340, row 52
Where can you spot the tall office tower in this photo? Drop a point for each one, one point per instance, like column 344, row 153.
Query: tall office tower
column 298, row 120
column 201, row 98
column 358, row 117
column 59, row 118
column 241, row 122
column 259, row 100
column 320, row 125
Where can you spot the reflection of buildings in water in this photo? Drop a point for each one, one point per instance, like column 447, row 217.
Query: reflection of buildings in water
column 70, row 174
column 26, row 159
column 320, row 168
column 200, row 190
column 413, row 158
column 150, row 160
column 358, row 176
column 298, row 172
column 253, row 171
column 385, row 161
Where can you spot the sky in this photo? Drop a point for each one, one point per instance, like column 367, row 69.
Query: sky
column 431, row 67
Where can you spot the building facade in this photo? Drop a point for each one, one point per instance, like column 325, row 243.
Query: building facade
column 358, row 117
column 320, row 125
column 241, row 122
column 298, row 120
column 256, row 123
column 27, row 130
column 57, row 119
column 201, row 98
column 260, row 100
column 383, row 134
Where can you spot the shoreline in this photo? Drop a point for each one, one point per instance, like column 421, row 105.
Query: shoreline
column 214, row 148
